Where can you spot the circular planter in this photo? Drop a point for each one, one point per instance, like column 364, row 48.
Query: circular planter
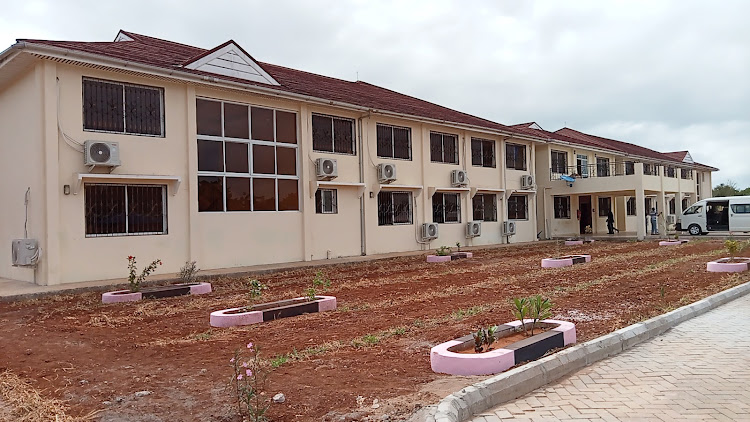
column 565, row 261
column 157, row 292
column 446, row 358
column 672, row 242
column 270, row 311
column 724, row 266
column 121, row 296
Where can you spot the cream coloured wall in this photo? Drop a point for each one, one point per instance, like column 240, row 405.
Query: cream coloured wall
column 22, row 146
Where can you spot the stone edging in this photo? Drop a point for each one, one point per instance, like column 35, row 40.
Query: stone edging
column 512, row 384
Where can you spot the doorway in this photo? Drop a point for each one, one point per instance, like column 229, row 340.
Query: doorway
column 584, row 207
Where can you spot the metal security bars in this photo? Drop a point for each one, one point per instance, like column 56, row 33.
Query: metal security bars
column 125, row 210
column 625, row 168
column 122, row 108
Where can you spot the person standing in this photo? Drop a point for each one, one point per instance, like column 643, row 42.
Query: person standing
column 653, row 214
column 610, row 222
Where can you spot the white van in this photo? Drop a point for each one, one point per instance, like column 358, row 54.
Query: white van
column 729, row 213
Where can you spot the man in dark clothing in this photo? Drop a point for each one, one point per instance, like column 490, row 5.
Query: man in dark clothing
column 610, row 222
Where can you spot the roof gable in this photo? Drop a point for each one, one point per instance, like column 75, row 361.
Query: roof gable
column 229, row 59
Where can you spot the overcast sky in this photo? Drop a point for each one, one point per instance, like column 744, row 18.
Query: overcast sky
column 668, row 75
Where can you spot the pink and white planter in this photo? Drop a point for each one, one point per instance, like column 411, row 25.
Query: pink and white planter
column 270, row 311
column 446, row 359
column 565, row 261
column 575, row 242
column 673, row 242
column 157, row 292
column 724, row 265
column 447, row 258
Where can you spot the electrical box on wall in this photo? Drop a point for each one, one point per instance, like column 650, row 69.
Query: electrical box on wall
column 25, row 252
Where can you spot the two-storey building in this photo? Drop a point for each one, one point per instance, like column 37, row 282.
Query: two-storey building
column 156, row 149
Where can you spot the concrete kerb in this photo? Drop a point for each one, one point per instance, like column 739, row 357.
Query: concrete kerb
column 519, row 381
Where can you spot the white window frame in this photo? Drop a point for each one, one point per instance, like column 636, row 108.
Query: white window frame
column 334, row 203
column 393, row 142
column 333, row 134
column 165, row 218
column 162, row 112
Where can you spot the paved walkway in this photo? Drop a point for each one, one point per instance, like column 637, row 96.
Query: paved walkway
column 699, row 370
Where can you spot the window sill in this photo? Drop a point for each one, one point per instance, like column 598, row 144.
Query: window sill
column 388, row 186
column 174, row 181
column 474, row 191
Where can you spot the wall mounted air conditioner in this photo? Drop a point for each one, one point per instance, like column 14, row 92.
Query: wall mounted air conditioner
column 25, row 252
column 670, row 219
column 473, row 229
column 100, row 153
column 509, row 228
column 429, row 231
column 459, row 178
column 326, row 168
column 386, row 172
column 527, row 181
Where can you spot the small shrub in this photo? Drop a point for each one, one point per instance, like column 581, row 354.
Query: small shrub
column 539, row 309
column 188, row 272
column 136, row 281
column 279, row 360
column 318, row 282
column 249, row 382
column 458, row 246
column 483, row 339
column 443, row 251
column 255, row 289
column 521, row 310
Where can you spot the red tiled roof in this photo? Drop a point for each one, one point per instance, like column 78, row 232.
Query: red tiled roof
column 171, row 55
column 580, row 138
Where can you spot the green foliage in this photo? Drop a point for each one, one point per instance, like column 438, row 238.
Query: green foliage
column 463, row 313
column 483, row 339
column 521, row 310
column 136, row 281
column 443, row 251
column 255, row 289
column 188, row 272
column 734, row 246
column 458, row 246
column 279, row 360
column 318, row 282
column 539, row 309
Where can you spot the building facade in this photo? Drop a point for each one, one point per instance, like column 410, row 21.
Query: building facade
column 155, row 149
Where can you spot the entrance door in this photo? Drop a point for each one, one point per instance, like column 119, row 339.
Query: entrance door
column 584, row 206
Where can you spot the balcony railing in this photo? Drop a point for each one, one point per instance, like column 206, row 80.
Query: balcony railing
column 594, row 170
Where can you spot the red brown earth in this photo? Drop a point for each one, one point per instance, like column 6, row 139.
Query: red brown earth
column 374, row 346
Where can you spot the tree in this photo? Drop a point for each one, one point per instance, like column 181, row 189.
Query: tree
column 728, row 189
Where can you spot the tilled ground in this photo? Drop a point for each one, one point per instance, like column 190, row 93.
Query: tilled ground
column 374, row 346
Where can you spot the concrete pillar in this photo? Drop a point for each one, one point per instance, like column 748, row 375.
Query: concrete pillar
column 640, row 203
column 191, row 184
column 662, row 208
column 48, row 272
column 307, row 173
column 620, row 210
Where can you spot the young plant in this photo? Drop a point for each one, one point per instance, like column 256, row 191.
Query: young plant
column 443, row 251
column 734, row 247
column 188, row 272
column 255, row 289
column 249, row 383
column 521, row 310
column 319, row 282
column 458, row 246
column 539, row 309
column 135, row 281
column 483, row 339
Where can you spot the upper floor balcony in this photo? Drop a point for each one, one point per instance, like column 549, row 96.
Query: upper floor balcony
column 599, row 170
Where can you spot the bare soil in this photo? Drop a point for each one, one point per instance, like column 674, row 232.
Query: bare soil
column 374, row 346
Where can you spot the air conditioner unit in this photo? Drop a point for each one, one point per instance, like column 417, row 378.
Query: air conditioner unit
column 473, row 229
column 459, row 178
column 326, row 168
column 99, row 153
column 509, row 228
column 25, row 252
column 670, row 219
column 527, row 181
column 429, row 231
column 386, row 172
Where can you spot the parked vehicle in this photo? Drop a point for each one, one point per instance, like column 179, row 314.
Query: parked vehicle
column 730, row 213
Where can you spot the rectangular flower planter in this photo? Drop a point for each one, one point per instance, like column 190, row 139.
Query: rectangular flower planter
column 565, row 261
column 447, row 258
column 447, row 358
column 156, row 292
column 673, row 242
column 270, row 311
